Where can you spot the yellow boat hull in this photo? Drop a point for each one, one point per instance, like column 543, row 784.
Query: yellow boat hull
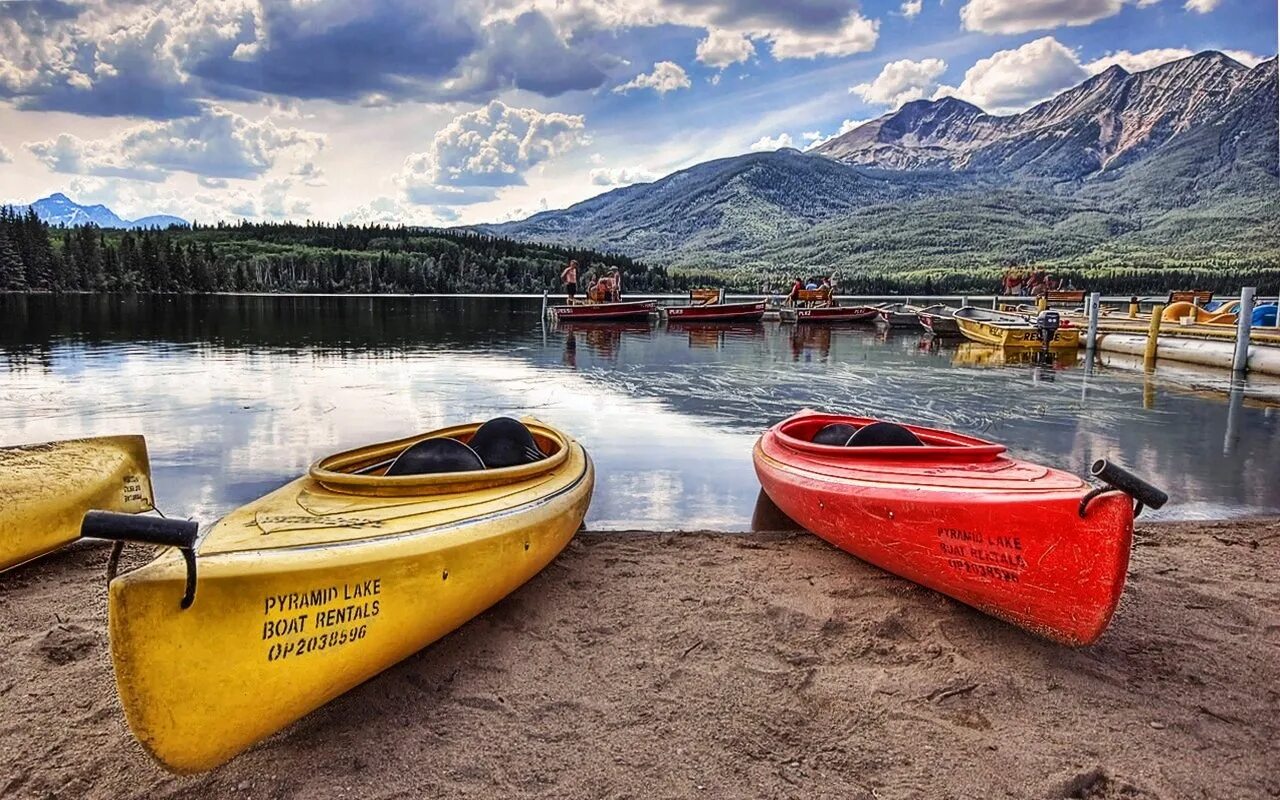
column 1016, row 336
column 45, row 490
column 323, row 584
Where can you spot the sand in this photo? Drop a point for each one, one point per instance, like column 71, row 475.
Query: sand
column 713, row 665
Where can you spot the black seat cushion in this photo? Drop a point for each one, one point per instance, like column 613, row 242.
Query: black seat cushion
column 432, row 456
column 505, row 442
column 837, row 433
column 884, row 434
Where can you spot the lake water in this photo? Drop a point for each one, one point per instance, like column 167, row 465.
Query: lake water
column 237, row 395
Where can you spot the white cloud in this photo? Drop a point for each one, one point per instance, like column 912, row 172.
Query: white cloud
column 217, row 144
column 793, row 29
column 902, row 81
column 1020, row 16
column 1246, row 58
column 722, row 48
column 1137, row 62
column 667, row 76
column 1012, row 80
column 386, row 211
column 1201, row 6
column 5, row 155
column 772, row 142
column 911, row 8
column 483, row 150
column 845, row 127
column 620, row 176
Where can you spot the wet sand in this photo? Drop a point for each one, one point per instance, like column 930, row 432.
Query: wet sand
column 712, row 665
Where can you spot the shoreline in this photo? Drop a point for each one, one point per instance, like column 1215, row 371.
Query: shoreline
column 652, row 664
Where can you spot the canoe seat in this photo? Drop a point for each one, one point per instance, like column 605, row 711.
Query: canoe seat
column 500, row 442
column 884, row 434
column 876, row 434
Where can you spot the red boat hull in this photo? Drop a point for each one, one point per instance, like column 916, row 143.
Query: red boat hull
column 830, row 314
column 720, row 312
column 959, row 517
column 605, row 312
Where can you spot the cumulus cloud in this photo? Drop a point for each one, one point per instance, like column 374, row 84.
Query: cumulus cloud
column 1201, row 6
column 772, row 142
column 133, row 199
column 911, row 8
column 1011, row 80
column 216, row 144
column 161, row 59
column 902, row 81
column 483, row 150
column 1150, row 59
column 845, row 127
column 620, row 176
column 667, row 76
column 5, row 155
column 1020, row 16
column 722, row 48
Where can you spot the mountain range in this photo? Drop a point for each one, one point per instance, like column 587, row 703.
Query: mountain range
column 1175, row 165
column 58, row 209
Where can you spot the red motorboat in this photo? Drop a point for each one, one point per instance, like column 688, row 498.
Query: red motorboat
column 1031, row 545
column 717, row 312
column 829, row 314
column 605, row 312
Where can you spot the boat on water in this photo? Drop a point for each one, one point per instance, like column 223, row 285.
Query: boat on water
column 45, row 490
column 828, row 314
column 898, row 315
column 1035, row 546
column 939, row 320
column 605, row 312
column 1014, row 330
column 717, row 312
column 294, row 598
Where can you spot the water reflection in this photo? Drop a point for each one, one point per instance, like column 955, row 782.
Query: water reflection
column 239, row 394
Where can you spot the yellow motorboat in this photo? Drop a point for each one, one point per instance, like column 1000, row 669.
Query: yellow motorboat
column 1226, row 314
column 1011, row 330
column 45, row 490
column 305, row 593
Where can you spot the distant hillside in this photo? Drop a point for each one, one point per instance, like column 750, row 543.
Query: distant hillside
column 1175, row 167
column 58, row 209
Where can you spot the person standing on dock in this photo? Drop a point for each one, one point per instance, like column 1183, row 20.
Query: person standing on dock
column 570, row 279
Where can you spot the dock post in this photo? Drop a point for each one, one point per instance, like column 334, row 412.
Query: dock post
column 995, row 302
column 1153, row 336
column 964, row 301
column 1133, row 308
column 1244, row 324
column 1095, row 300
column 1042, row 302
column 544, row 303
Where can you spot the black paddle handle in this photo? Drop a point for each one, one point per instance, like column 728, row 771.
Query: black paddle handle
column 121, row 528
column 142, row 529
column 1127, row 482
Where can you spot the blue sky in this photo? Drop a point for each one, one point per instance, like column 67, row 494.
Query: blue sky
column 462, row 111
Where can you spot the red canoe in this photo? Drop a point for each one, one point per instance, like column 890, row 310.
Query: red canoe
column 958, row 516
column 605, row 312
column 829, row 314
column 717, row 312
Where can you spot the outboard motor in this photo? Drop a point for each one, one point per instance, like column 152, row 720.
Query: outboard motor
column 1047, row 324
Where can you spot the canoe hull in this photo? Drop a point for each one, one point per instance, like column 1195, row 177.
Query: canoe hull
column 939, row 324
column 721, row 312
column 1023, row 556
column 39, row 515
column 275, row 633
column 605, row 312
column 1016, row 336
column 830, row 314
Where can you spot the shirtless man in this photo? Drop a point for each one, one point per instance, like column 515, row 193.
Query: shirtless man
column 570, row 279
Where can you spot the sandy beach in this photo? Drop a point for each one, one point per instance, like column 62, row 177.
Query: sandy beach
column 647, row 665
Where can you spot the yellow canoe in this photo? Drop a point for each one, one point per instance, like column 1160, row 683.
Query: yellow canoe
column 325, row 582
column 45, row 490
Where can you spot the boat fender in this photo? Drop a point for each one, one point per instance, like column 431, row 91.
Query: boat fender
column 837, row 433
column 121, row 528
column 884, row 434
column 433, row 456
column 1118, row 478
column 505, row 442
